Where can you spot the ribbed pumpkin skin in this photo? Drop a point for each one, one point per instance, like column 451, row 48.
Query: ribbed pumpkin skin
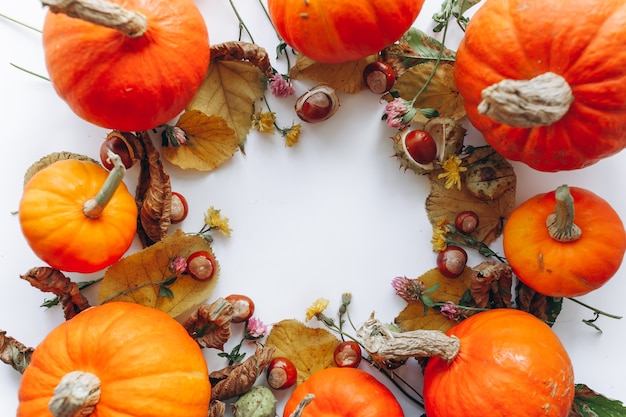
column 510, row 364
column 344, row 392
column 521, row 39
column 336, row 31
column 147, row 364
column 564, row 269
column 53, row 223
column 129, row 84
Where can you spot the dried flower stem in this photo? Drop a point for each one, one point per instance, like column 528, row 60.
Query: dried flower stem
column 242, row 24
column 20, row 23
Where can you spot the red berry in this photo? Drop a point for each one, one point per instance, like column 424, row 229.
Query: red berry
column 420, row 146
column 281, row 373
column 201, row 265
column 243, row 307
column 348, row 354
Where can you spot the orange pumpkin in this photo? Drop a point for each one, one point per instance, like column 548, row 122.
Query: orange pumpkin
column 564, row 243
column 77, row 217
column 335, row 31
column 544, row 85
column 346, row 392
column 509, row 363
column 122, row 360
column 127, row 81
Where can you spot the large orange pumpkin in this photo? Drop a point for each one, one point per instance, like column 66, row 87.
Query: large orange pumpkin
column 509, row 363
column 135, row 361
column 128, row 82
column 574, row 114
column 564, row 243
column 345, row 392
column 335, row 31
column 77, row 217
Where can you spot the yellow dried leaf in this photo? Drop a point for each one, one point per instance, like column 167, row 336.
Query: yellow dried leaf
column 229, row 91
column 210, row 142
column 346, row 77
column 441, row 93
column 309, row 349
column 139, row 278
column 448, row 289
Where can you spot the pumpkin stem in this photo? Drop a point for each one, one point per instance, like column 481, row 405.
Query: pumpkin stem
column 95, row 206
column 540, row 101
column 76, row 395
column 306, row 400
column 103, row 13
column 561, row 224
column 389, row 345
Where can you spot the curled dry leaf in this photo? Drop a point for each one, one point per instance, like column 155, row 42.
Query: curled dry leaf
column 217, row 408
column 309, row 349
column 52, row 158
column 153, row 195
column 346, row 77
column 236, row 380
column 445, row 204
column 490, row 285
column 234, row 82
column 145, row 277
column 209, row 325
column 14, row 353
column 51, row 280
column 542, row 306
column 210, row 142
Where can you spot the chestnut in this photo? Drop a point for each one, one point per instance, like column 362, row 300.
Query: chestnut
column 317, row 104
column 379, row 77
column 451, row 261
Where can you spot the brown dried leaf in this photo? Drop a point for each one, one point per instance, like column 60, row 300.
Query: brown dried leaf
column 14, row 353
column 153, row 195
column 238, row 379
column 232, row 85
column 209, row 325
column 245, row 52
column 441, row 93
column 210, row 142
column 140, row 277
column 309, row 349
column 448, row 289
column 346, row 77
column 52, row 158
column 217, row 408
column 490, row 285
column 51, row 280
column 445, row 203
column 541, row 306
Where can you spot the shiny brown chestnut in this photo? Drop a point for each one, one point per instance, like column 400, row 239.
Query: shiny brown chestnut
column 317, row 104
column 379, row 77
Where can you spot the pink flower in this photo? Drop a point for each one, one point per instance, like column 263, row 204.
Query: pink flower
column 178, row 265
column 255, row 329
column 399, row 113
column 451, row 311
column 408, row 289
column 280, row 86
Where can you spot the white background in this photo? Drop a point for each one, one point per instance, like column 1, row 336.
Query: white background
column 333, row 214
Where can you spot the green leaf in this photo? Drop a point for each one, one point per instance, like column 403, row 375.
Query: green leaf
column 588, row 403
column 427, row 47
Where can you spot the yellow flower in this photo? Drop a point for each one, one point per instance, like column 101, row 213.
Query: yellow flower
column 439, row 239
column 214, row 219
column 264, row 121
column 316, row 308
column 452, row 167
column 292, row 135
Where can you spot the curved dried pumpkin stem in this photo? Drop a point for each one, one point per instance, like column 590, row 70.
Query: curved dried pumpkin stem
column 95, row 206
column 306, row 400
column 540, row 101
column 103, row 13
column 378, row 339
column 561, row 224
column 76, row 395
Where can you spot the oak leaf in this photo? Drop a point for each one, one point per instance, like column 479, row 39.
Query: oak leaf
column 346, row 77
column 310, row 349
column 145, row 277
column 210, row 142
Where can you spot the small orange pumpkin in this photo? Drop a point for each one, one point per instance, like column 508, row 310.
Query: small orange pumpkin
column 77, row 217
column 564, row 243
column 509, row 363
column 544, row 85
column 336, row 31
column 346, row 392
column 122, row 360
column 132, row 78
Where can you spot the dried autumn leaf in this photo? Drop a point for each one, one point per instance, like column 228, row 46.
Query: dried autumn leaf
column 588, row 403
column 217, row 408
column 490, row 286
column 210, row 142
column 445, row 204
column 346, row 77
column 52, row 158
column 541, row 306
column 447, row 289
column 209, row 325
column 14, row 353
column 231, row 88
column 441, row 93
column 142, row 277
column 51, row 280
column 236, row 380
column 309, row 349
